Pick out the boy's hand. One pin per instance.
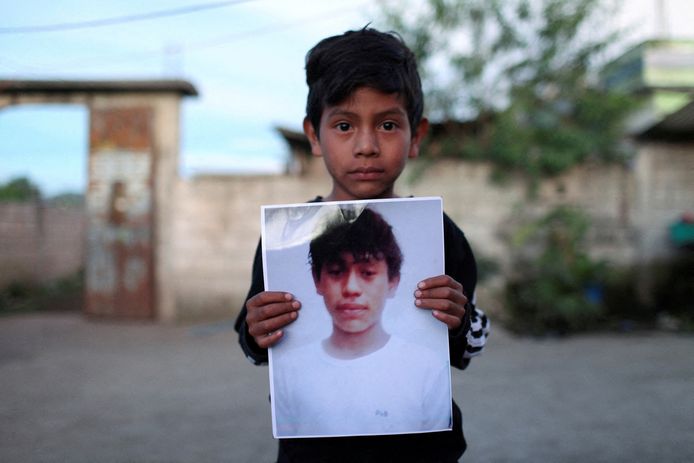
(267, 313)
(444, 296)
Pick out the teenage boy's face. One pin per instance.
(365, 142)
(355, 292)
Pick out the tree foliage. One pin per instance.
(19, 189)
(526, 70)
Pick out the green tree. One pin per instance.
(19, 189)
(526, 72)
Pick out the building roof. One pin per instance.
(295, 139)
(678, 126)
(182, 87)
(653, 65)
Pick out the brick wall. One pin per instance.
(40, 242)
(20, 245)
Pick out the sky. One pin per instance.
(244, 57)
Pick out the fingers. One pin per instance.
(439, 281)
(268, 340)
(451, 320)
(442, 293)
(268, 313)
(444, 297)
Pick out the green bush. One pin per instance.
(555, 287)
(64, 294)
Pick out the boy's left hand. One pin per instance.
(444, 297)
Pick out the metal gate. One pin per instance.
(119, 268)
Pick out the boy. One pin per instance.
(356, 263)
(364, 118)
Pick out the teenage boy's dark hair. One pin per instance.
(367, 237)
(339, 65)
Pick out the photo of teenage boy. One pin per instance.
(343, 384)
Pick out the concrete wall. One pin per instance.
(39, 242)
(217, 219)
(488, 212)
(664, 188)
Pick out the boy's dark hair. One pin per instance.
(369, 236)
(339, 65)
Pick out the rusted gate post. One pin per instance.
(119, 268)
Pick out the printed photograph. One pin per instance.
(361, 358)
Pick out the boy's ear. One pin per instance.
(316, 282)
(393, 286)
(312, 136)
(418, 135)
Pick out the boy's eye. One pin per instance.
(388, 126)
(334, 271)
(367, 271)
(343, 126)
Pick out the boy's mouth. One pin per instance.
(366, 173)
(351, 309)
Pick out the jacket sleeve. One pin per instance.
(476, 335)
(469, 339)
(254, 353)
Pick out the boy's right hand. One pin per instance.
(267, 313)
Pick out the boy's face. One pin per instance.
(355, 292)
(365, 142)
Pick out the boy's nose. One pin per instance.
(351, 285)
(366, 144)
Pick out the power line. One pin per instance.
(117, 19)
(182, 48)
